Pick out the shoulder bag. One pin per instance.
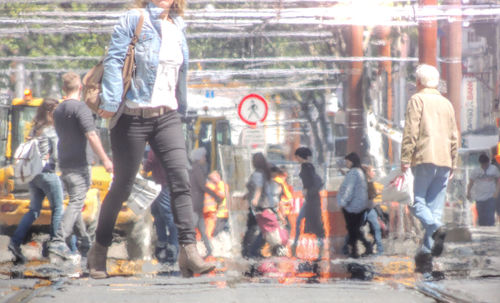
(92, 81)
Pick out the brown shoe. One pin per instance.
(190, 261)
(96, 261)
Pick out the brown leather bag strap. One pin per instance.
(138, 29)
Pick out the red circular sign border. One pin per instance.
(241, 105)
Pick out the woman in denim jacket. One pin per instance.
(353, 198)
(151, 113)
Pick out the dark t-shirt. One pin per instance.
(73, 119)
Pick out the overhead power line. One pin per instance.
(44, 59)
(318, 16)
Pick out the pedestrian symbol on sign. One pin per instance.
(252, 109)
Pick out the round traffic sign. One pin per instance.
(252, 109)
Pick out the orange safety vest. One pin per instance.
(210, 204)
(286, 195)
(222, 211)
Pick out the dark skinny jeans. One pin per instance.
(128, 141)
(354, 221)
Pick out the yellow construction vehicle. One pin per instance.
(209, 132)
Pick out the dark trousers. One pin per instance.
(128, 141)
(353, 224)
(221, 224)
(253, 241)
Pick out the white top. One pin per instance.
(169, 61)
(484, 183)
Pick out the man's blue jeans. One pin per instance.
(43, 185)
(164, 220)
(429, 192)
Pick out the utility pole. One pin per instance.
(427, 38)
(386, 66)
(444, 47)
(354, 110)
(454, 74)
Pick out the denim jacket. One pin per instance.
(353, 193)
(146, 60)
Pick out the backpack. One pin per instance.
(27, 162)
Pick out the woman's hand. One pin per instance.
(105, 114)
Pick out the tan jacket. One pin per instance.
(430, 134)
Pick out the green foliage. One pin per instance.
(45, 46)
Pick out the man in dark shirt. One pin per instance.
(75, 128)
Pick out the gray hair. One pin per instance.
(427, 75)
(198, 154)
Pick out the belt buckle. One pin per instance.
(149, 112)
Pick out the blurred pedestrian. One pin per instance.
(258, 187)
(76, 130)
(494, 151)
(151, 113)
(269, 219)
(484, 188)
(167, 244)
(213, 197)
(47, 183)
(222, 213)
(372, 216)
(198, 177)
(285, 199)
(429, 147)
(352, 197)
(311, 208)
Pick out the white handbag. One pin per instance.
(398, 187)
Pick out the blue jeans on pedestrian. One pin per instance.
(166, 231)
(372, 219)
(48, 185)
(429, 189)
(486, 212)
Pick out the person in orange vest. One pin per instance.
(285, 203)
(222, 211)
(214, 195)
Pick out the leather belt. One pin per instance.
(146, 112)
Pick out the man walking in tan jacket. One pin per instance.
(429, 147)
